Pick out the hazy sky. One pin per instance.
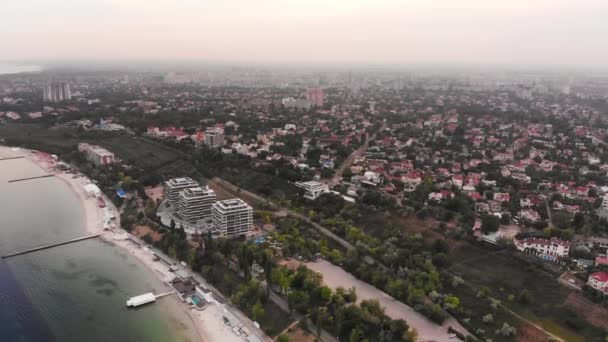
(544, 32)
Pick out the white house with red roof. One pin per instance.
(457, 180)
(582, 191)
(547, 165)
(529, 215)
(599, 260)
(411, 180)
(475, 195)
(599, 281)
(522, 177)
(401, 166)
(438, 196)
(502, 197)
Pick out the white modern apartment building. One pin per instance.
(232, 217)
(96, 155)
(214, 137)
(195, 203)
(174, 186)
(313, 189)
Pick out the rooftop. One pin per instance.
(181, 181)
(197, 192)
(234, 203)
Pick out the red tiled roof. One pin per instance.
(601, 261)
(600, 276)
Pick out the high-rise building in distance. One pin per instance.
(55, 92)
(232, 217)
(214, 137)
(315, 96)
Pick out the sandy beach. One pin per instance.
(192, 325)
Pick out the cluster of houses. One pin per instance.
(489, 160)
(212, 136)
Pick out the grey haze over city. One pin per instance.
(543, 33)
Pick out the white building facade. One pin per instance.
(549, 249)
(232, 217)
(599, 281)
(313, 189)
(97, 155)
(175, 185)
(195, 203)
(214, 137)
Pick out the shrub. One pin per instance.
(488, 319)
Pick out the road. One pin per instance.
(337, 178)
(549, 214)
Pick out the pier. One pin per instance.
(36, 249)
(10, 158)
(29, 178)
(145, 299)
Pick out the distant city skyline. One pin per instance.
(356, 32)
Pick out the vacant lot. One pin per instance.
(507, 274)
(39, 137)
(220, 191)
(593, 313)
(138, 151)
(141, 231)
(229, 190)
(155, 193)
(298, 334)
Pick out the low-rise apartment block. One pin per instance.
(96, 155)
(313, 189)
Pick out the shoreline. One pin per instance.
(93, 219)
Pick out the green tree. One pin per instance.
(150, 209)
(560, 219)
(257, 311)
(524, 297)
(322, 315)
(356, 335)
(489, 223)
